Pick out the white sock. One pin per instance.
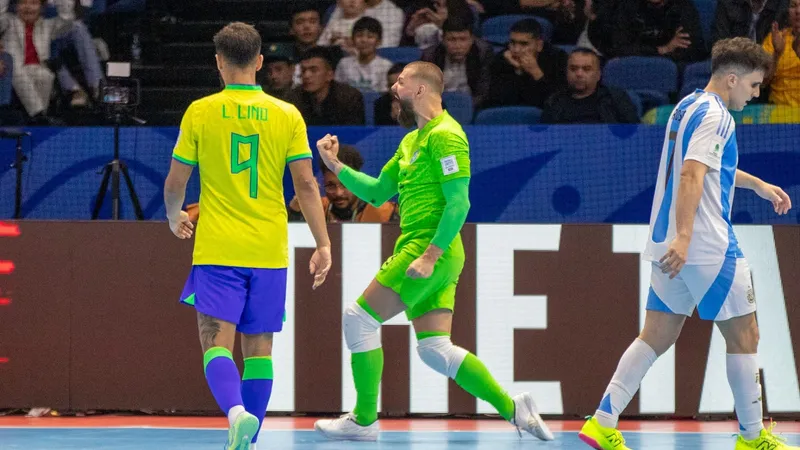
(633, 366)
(744, 378)
(234, 412)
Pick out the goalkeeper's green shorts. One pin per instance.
(423, 295)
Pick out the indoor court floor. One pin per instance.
(179, 433)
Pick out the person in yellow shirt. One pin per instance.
(241, 139)
(784, 46)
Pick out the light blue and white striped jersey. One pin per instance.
(700, 129)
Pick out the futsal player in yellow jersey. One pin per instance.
(241, 139)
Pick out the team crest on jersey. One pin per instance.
(751, 295)
(414, 157)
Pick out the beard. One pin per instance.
(407, 118)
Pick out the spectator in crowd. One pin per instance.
(784, 46)
(669, 28)
(367, 71)
(529, 70)
(567, 16)
(338, 32)
(28, 38)
(340, 204)
(387, 107)
(320, 99)
(306, 27)
(746, 18)
(388, 14)
(426, 18)
(586, 100)
(465, 61)
(279, 69)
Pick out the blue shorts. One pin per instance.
(253, 299)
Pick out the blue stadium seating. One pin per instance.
(496, 29)
(459, 105)
(403, 55)
(509, 115)
(369, 106)
(637, 102)
(653, 78)
(695, 76)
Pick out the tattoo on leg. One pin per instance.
(209, 329)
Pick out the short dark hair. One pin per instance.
(301, 7)
(318, 52)
(349, 156)
(528, 26)
(238, 43)
(455, 25)
(368, 24)
(739, 53)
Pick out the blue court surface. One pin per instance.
(41, 438)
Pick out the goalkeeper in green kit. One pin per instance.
(430, 171)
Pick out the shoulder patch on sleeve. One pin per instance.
(449, 165)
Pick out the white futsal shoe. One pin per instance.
(526, 417)
(345, 428)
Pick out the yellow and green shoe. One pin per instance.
(602, 438)
(766, 441)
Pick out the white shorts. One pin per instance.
(719, 291)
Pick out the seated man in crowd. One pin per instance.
(320, 99)
(279, 68)
(341, 205)
(586, 100)
(367, 70)
(465, 60)
(305, 25)
(529, 71)
(784, 46)
(668, 28)
(28, 38)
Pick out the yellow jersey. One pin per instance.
(785, 85)
(241, 139)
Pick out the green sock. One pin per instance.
(475, 378)
(367, 371)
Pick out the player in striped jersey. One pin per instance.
(694, 252)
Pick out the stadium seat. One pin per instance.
(403, 55)
(567, 48)
(459, 105)
(653, 78)
(637, 102)
(509, 115)
(369, 107)
(707, 10)
(695, 76)
(496, 29)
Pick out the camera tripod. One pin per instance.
(19, 159)
(112, 172)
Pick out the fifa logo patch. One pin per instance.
(449, 165)
(751, 295)
(414, 157)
